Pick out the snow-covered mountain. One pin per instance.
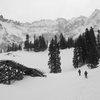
(13, 31)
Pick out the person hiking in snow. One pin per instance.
(85, 73)
(79, 71)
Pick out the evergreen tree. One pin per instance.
(54, 59)
(92, 35)
(39, 44)
(34, 37)
(19, 47)
(30, 46)
(78, 59)
(27, 43)
(92, 53)
(62, 42)
(85, 51)
(8, 48)
(75, 58)
(70, 43)
(43, 43)
(36, 45)
(13, 47)
(98, 41)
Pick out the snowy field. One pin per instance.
(63, 86)
(40, 60)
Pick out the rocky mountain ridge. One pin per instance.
(14, 31)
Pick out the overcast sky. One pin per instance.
(31, 10)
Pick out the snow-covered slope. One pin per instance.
(63, 86)
(67, 85)
(40, 60)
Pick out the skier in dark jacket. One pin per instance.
(79, 71)
(85, 73)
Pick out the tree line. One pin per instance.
(40, 44)
(14, 47)
(86, 49)
(54, 52)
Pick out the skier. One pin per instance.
(79, 71)
(85, 73)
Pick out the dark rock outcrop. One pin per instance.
(11, 71)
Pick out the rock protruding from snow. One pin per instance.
(12, 71)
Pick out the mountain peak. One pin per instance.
(95, 13)
(94, 18)
(97, 10)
